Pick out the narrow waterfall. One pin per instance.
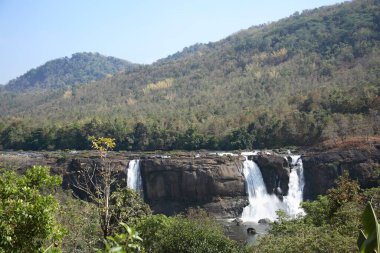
(134, 180)
(296, 185)
(261, 204)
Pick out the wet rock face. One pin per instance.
(215, 184)
(275, 170)
(322, 169)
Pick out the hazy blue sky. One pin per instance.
(142, 31)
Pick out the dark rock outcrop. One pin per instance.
(251, 231)
(80, 169)
(213, 183)
(275, 170)
(264, 221)
(217, 184)
(321, 169)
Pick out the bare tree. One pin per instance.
(96, 180)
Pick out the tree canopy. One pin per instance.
(28, 211)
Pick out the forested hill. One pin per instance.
(80, 68)
(310, 77)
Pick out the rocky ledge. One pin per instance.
(322, 168)
(215, 183)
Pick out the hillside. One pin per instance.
(80, 68)
(304, 79)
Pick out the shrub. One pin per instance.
(27, 212)
(180, 234)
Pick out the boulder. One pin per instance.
(251, 231)
(265, 221)
(238, 221)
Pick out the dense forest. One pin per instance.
(299, 81)
(80, 68)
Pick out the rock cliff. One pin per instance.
(213, 183)
(321, 169)
(171, 185)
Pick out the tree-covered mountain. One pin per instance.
(80, 68)
(310, 77)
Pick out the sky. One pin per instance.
(141, 31)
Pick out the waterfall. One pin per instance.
(264, 205)
(261, 204)
(296, 185)
(134, 180)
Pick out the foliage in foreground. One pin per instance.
(127, 242)
(128, 207)
(81, 221)
(27, 211)
(369, 237)
(180, 234)
(27, 222)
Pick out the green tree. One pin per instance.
(15, 135)
(38, 139)
(191, 139)
(152, 230)
(27, 212)
(182, 234)
(127, 242)
(240, 139)
(127, 207)
(346, 191)
(140, 137)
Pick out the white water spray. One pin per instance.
(296, 185)
(264, 205)
(261, 204)
(134, 180)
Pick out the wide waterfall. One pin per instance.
(134, 180)
(264, 205)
